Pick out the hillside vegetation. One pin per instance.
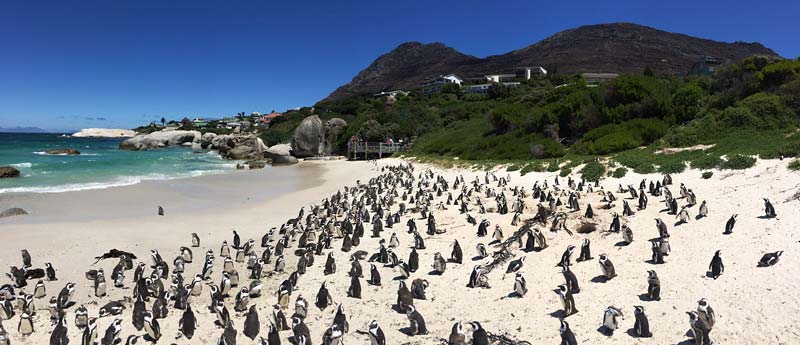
(748, 108)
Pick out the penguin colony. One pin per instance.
(229, 278)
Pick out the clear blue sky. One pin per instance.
(73, 64)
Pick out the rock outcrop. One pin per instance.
(313, 138)
(239, 147)
(160, 139)
(280, 154)
(16, 211)
(69, 152)
(7, 172)
(104, 133)
(308, 139)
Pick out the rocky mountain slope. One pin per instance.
(616, 47)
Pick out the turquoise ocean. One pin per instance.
(100, 165)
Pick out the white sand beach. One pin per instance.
(754, 305)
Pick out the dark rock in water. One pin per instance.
(16, 211)
(308, 138)
(70, 151)
(284, 160)
(256, 164)
(6, 172)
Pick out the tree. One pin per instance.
(163, 121)
(497, 91)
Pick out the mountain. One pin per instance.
(22, 130)
(613, 48)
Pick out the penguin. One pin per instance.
(300, 307)
(279, 319)
(515, 265)
(607, 266)
(302, 335)
(658, 256)
(26, 258)
(570, 281)
(100, 284)
(404, 297)
(242, 299)
(683, 216)
(662, 228)
(228, 336)
(610, 323)
(160, 210)
(332, 336)
(89, 334)
(479, 336)
(567, 301)
(195, 240)
(567, 337)
(706, 313)
(376, 336)
(25, 325)
(730, 224)
(481, 248)
(273, 337)
(65, 295)
(716, 267)
(418, 287)
(374, 276)
(770, 259)
(139, 313)
(251, 323)
(653, 286)
(769, 210)
(586, 252)
(589, 212)
(703, 211)
(354, 291)
(81, 317)
(223, 315)
(456, 255)
(627, 234)
(520, 286)
(565, 257)
(330, 265)
(417, 322)
(50, 271)
(439, 265)
(699, 329)
(457, 335)
(111, 336)
(188, 322)
(4, 338)
(641, 325)
(151, 327)
(413, 260)
(323, 299)
(40, 291)
(132, 340)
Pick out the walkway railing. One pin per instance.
(362, 150)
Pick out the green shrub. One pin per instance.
(641, 161)
(553, 166)
(707, 175)
(708, 161)
(672, 167)
(612, 138)
(593, 171)
(794, 165)
(513, 167)
(738, 162)
(532, 167)
(620, 172)
(565, 172)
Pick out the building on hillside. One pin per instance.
(595, 78)
(436, 84)
(484, 88)
(266, 119)
(528, 73)
(497, 78)
(706, 66)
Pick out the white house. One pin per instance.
(436, 84)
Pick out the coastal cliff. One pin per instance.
(104, 133)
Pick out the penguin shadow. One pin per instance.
(408, 331)
(453, 261)
(698, 217)
(435, 273)
(399, 278)
(477, 258)
(709, 274)
(559, 314)
(766, 217)
(680, 222)
(605, 331)
(494, 242)
(512, 294)
(664, 210)
(69, 304)
(600, 279)
(148, 338)
(645, 298)
(621, 244)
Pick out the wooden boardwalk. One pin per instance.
(365, 150)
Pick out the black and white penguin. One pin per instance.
(332, 336)
(457, 335)
(242, 300)
(479, 336)
(50, 271)
(330, 265)
(716, 267)
(610, 323)
(565, 257)
(567, 301)
(26, 258)
(730, 224)
(607, 267)
(302, 336)
(481, 248)
(139, 313)
(706, 313)
(699, 329)
(279, 319)
(586, 252)
(570, 281)
(769, 210)
(251, 323)
(228, 336)
(413, 260)
(376, 336)
(81, 317)
(703, 211)
(354, 291)
(374, 276)
(520, 286)
(439, 264)
(515, 265)
(323, 299)
(89, 335)
(25, 325)
(188, 322)
(567, 337)
(195, 240)
(151, 327)
(589, 212)
(39, 291)
(641, 325)
(770, 259)
(417, 322)
(404, 297)
(653, 286)
(456, 255)
(111, 336)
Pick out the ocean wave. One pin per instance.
(44, 153)
(22, 165)
(118, 182)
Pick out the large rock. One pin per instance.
(70, 152)
(16, 211)
(309, 137)
(333, 129)
(104, 133)
(6, 172)
(239, 147)
(160, 139)
(280, 154)
(206, 139)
